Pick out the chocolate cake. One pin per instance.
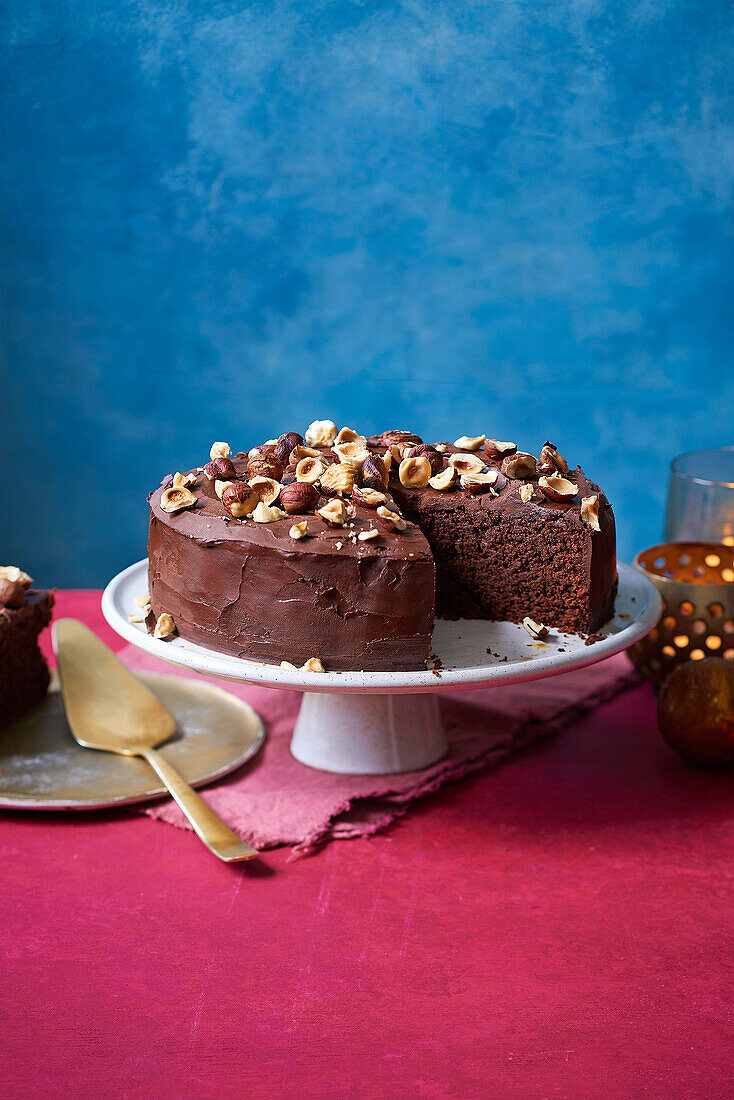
(343, 549)
(24, 612)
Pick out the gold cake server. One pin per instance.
(109, 709)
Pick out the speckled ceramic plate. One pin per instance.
(43, 768)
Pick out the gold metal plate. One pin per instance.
(43, 768)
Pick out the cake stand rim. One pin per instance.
(221, 666)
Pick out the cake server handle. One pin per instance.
(210, 828)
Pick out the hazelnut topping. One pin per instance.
(309, 470)
(338, 478)
(265, 466)
(239, 499)
(220, 469)
(322, 433)
(590, 511)
(176, 499)
(13, 573)
(180, 481)
(550, 457)
(519, 465)
(299, 497)
(351, 454)
(299, 530)
(219, 450)
(370, 533)
(535, 630)
(525, 493)
(303, 452)
(469, 442)
(390, 521)
(267, 489)
(428, 452)
(164, 627)
(285, 445)
(557, 488)
(499, 448)
(464, 463)
(368, 498)
(348, 435)
(374, 473)
(415, 473)
(12, 594)
(220, 486)
(479, 481)
(396, 435)
(334, 513)
(265, 514)
(445, 479)
(313, 664)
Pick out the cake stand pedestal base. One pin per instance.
(368, 734)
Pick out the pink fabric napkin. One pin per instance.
(274, 800)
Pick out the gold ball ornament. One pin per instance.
(696, 712)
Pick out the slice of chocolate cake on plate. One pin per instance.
(24, 674)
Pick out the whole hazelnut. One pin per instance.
(287, 443)
(374, 473)
(265, 466)
(299, 497)
(433, 456)
(220, 469)
(12, 594)
(240, 499)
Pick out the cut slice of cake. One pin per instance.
(24, 675)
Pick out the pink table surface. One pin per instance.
(559, 927)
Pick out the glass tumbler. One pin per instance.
(701, 497)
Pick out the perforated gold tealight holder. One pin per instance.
(696, 582)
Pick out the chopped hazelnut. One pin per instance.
(368, 498)
(445, 479)
(321, 433)
(267, 488)
(299, 530)
(479, 481)
(415, 473)
(13, 573)
(181, 481)
(391, 521)
(288, 666)
(348, 435)
(428, 452)
(313, 664)
(303, 452)
(12, 594)
(265, 466)
(374, 472)
(499, 448)
(220, 486)
(557, 488)
(164, 627)
(535, 630)
(265, 514)
(334, 513)
(525, 493)
(519, 465)
(550, 457)
(440, 447)
(219, 450)
(338, 478)
(286, 445)
(464, 462)
(309, 469)
(370, 533)
(469, 442)
(176, 499)
(142, 601)
(590, 511)
(351, 454)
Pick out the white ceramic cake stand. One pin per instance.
(374, 723)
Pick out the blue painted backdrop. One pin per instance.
(221, 219)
